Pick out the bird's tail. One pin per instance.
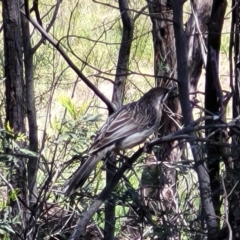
(81, 175)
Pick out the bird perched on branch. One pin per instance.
(131, 125)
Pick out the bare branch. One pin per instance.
(71, 64)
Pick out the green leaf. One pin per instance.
(28, 152)
(8, 228)
(91, 118)
(69, 105)
(65, 136)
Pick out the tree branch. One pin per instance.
(56, 44)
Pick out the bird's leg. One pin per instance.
(117, 152)
(121, 159)
(122, 156)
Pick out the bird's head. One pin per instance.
(156, 96)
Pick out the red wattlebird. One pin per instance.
(131, 125)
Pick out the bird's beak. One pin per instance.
(165, 96)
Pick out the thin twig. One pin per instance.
(226, 209)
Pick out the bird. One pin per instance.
(128, 127)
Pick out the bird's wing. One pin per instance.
(128, 120)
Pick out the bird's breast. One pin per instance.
(134, 139)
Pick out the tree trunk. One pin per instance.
(196, 34)
(234, 200)
(214, 100)
(15, 101)
(164, 67)
(117, 99)
(32, 166)
(182, 70)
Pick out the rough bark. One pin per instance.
(196, 35)
(151, 191)
(164, 65)
(163, 39)
(14, 97)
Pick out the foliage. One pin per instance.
(69, 114)
(5, 223)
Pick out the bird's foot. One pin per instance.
(146, 148)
